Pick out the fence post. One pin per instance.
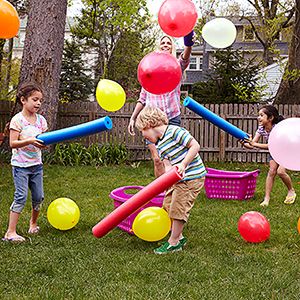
(92, 116)
(222, 141)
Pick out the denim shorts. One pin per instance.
(174, 121)
(24, 178)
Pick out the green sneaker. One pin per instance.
(183, 241)
(167, 248)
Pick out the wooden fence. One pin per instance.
(216, 145)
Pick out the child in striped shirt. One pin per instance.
(175, 146)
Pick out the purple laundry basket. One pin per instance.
(230, 185)
(120, 196)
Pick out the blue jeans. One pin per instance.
(174, 121)
(24, 178)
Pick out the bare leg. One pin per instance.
(11, 232)
(176, 234)
(159, 168)
(269, 182)
(33, 227)
(286, 180)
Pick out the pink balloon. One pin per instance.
(159, 73)
(284, 143)
(177, 18)
(254, 227)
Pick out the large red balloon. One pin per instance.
(177, 18)
(254, 227)
(9, 20)
(159, 73)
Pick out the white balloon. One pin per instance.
(219, 33)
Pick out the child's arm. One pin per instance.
(139, 106)
(259, 145)
(194, 148)
(254, 143)
(14, 141)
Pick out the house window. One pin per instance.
(249, 34)
(195, 63)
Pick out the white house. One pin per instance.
(270, 77)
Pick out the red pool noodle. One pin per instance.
(156, 187)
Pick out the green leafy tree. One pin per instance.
(233, 79)
(75, 84)
(267, 19)
(110, 27)
(7, 64)
(124, 61)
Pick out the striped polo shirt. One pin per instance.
(173, 146)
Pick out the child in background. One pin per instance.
(26, 159)
(175, 146)
(268, 117)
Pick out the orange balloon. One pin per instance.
(298, 225)
(9, 20)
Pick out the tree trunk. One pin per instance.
(2, 43)
(268, 55)
(43, 49)
(289, 89)
(9, 60)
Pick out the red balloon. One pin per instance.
(254, 227)
(159, 73)
(177, 18)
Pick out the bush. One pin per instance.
(75, 154)
(5, 156)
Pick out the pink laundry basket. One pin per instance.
(229, 185)
(120, 196)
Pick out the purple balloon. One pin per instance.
(284, 143)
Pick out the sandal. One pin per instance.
(265, 203)
(14, 239)
(290, 199)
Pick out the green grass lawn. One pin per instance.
(216, 263)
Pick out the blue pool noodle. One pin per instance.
(215, 119)
(76, 131)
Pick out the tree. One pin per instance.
(6, 56)
(124, 61)
(289, 89)
(43, 49)
(232, 80)
(271, 18)
(75, 84)
(104, 22)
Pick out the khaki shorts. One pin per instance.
(180, 198)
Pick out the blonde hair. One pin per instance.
(173, 52)
(151, 117)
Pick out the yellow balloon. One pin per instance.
(151, 224)
(110, 95)
(63, 213)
